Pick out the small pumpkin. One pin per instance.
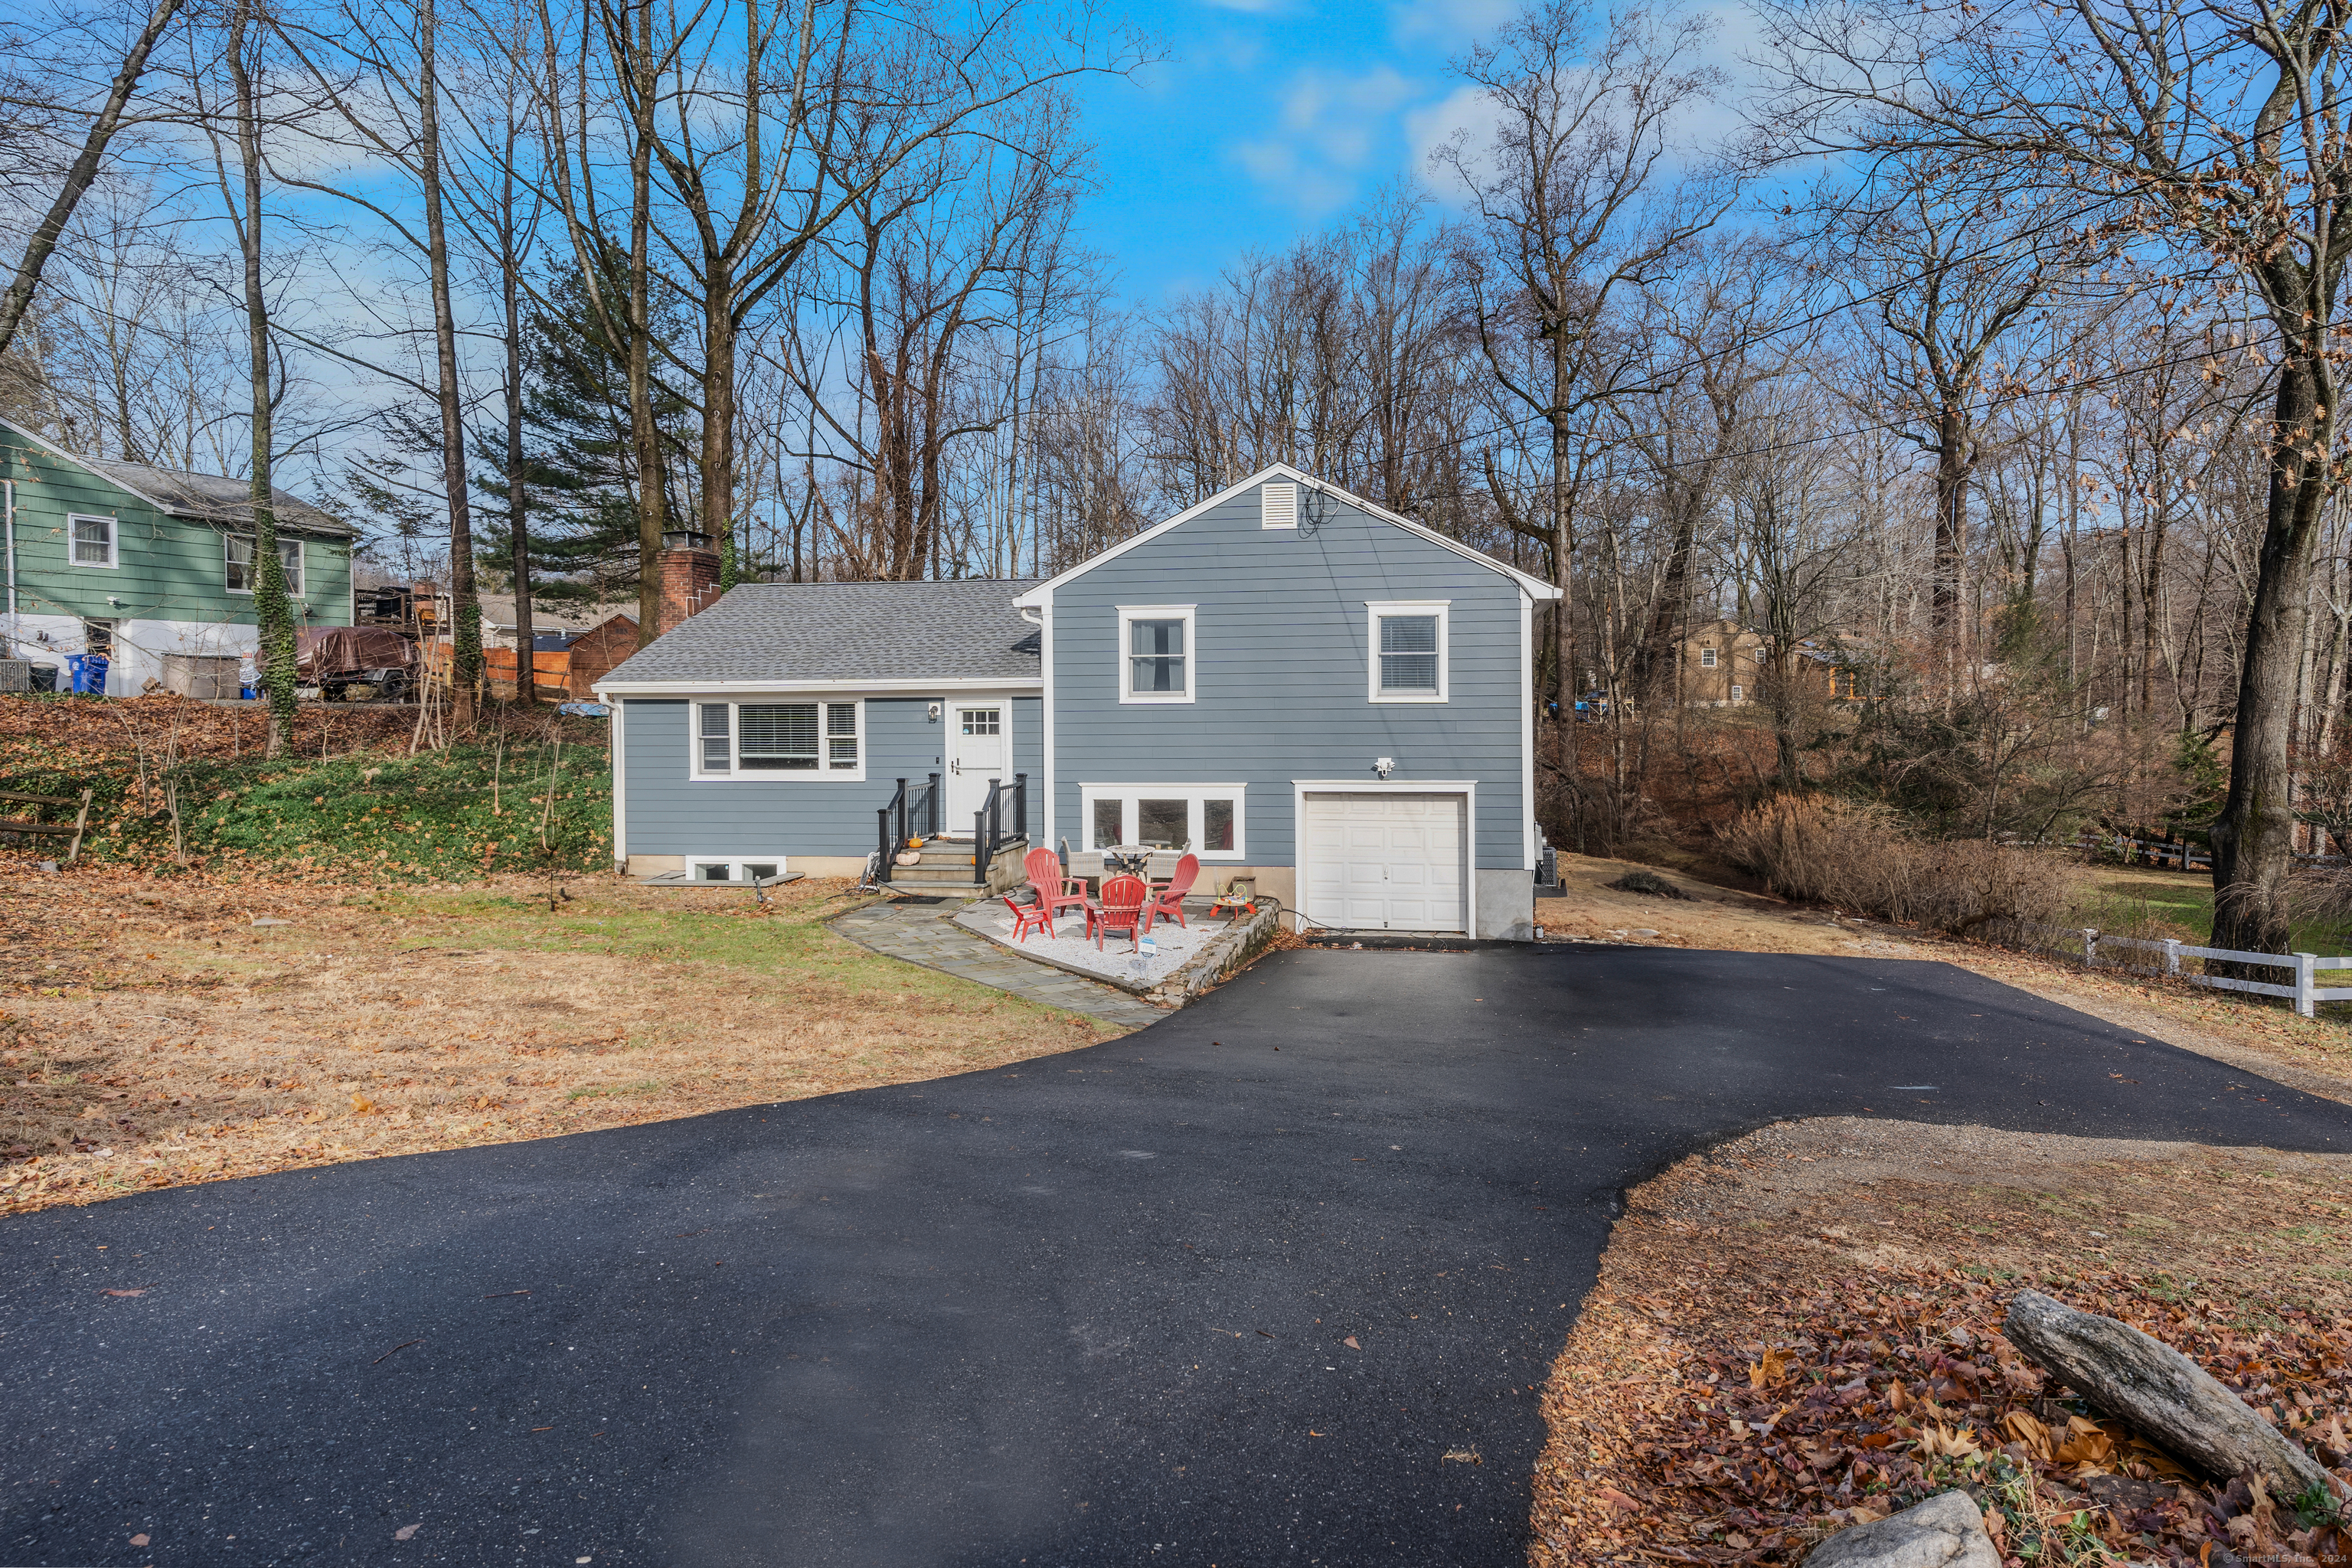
(908, 857)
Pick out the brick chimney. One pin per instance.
(689, 577)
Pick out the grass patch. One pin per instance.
(592, 1091)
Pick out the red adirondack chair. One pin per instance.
(1057, 890)
(1170, 902)
(1121, 907)
(1027, 918)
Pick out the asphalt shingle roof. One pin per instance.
(849, 632)
(215, 498)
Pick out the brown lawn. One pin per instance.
(151, 1032)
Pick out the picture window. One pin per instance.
(1205, 819)
(738, 740)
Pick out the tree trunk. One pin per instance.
(518, 500)
(83, 172)
(637, 61)
(2253, 836)
(272, 617)
(1951, 543)
(465, 609)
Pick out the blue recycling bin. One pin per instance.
(88, 671)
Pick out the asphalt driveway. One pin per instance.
(1228, 1291)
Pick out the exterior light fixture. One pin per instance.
(1384, 766)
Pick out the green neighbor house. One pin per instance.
(134, 562)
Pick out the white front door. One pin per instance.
(1385, 862)
(979, 749)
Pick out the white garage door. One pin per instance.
(1385, 862)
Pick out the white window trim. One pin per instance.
(113, 560)
(1738, 693)
(734, 702)
(1192, 794)
(734, 861)
(1373, 610)
(1131, 614)
(302, 567)
(1707, 658)
(1466, 788)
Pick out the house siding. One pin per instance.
(170, 568)
(1281, 672)
(667, 812)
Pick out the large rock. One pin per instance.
(2150, 1386)
(1945, 1532)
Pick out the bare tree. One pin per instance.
(1576, 204)
(2219, 131)
(82, 173)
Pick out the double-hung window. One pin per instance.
(95, 541)
(1158, 659)
(756, 740)
(1205, 819)
(244, 578)
(1408, 644)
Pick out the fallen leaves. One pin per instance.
(1733, 1392)
(407, 1532)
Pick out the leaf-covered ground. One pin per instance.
(1802, 1331)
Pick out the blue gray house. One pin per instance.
(1298, 686)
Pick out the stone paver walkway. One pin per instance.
(927, 934)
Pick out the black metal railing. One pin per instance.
(909, 814)
(987, 835)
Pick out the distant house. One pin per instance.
(1298, 685)
(1724, 664)
(135, 562)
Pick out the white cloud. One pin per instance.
(1330, 127)
(1446, 23)
(1467, 112)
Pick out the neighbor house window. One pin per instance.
(1738, 694)
(241, 574)
(1409, 654)
(1205, 819)
(94, 541)
(749, 739)
(1156, 656)
(1707, 658)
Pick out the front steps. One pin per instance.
(946, 870)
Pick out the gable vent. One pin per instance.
(1279, 499)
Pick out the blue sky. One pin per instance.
(1270, 118)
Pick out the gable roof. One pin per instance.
(211, 498)
(1537, 588)
(779, 635)
(206, 498)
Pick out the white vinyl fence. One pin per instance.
(2303, 967)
